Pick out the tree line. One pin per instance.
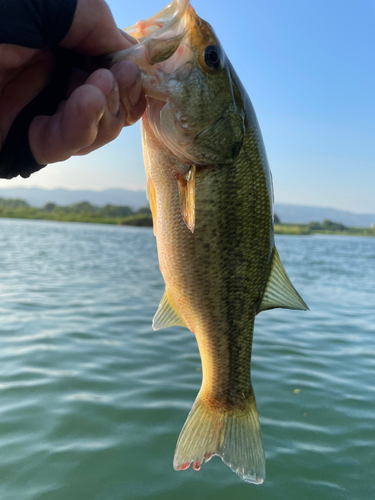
(79, 212)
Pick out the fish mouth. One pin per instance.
(162, 22)
(160, 51)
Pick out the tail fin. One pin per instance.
(233, 435)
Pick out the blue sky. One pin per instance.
(309, 68)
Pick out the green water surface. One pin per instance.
(92, 400)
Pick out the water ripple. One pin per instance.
(92, 400)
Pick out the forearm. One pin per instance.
(54, 102)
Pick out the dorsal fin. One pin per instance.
(167, 314)
(186, 191)
(279, 291)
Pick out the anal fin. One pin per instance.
(279, 291)
(167, 314)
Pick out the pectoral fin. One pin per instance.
(167, 314)
(279, 291)
(151, 196)
(186, 189)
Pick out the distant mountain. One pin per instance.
(38, 197)
(302, 214)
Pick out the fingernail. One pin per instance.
(135, 92)
(113, 100)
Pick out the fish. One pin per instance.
(211, 195)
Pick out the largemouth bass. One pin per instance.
(210, 191)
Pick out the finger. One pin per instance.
(132, 96)
(92, 116)
(125, 101)
(73, 127)
(113, 118)
(128, 37)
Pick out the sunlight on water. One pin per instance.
(92, 400)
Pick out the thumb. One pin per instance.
(94, 32)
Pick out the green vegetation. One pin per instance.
(123, 215)
(291, 229)
(78, 212)
(326, 227)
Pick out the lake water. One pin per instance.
(92, 400)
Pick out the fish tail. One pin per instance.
(234, 435)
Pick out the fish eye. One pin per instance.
(212, 57)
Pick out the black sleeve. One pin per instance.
(15, 155)
(35, 23)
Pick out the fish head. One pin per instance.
(194, 107)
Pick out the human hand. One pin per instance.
(98, 104)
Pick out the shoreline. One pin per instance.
(306, 230)
(145, 220)
(140, 220)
